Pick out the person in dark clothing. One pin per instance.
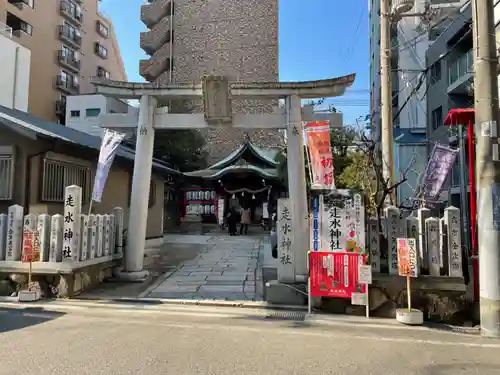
(232, 221)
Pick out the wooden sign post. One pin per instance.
(408, 267)
(30, 254)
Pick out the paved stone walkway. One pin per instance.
(226, 269)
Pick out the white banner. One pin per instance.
(109, 145)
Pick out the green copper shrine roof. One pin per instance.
(213, 174)
(266, 155)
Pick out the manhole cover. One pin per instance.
(286, 315)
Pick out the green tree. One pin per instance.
(341, 140)
(183, 149)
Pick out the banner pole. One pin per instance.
(367, 301)
(408, 291)
(90, 206)
(309, 302)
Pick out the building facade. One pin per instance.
(15, 72)
(82, 111)
(187, 40)
(411, 37)
(451, 81)
(70, 42)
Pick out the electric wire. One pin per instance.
(352, 45)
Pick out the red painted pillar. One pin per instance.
(473, 209)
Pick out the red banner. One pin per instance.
(320, 155)
(335, 274)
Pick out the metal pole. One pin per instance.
(463, 186)
(487, 164)
(386, 95)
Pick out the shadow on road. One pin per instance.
(461, 368)
(14, 319)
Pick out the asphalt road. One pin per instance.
(208, 341)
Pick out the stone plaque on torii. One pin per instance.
(217, 94)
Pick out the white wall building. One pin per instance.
(82, 111)
(15, 61)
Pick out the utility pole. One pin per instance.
(487, 164)
(387, 140)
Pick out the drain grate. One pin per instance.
(286, 315)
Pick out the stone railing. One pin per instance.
(438, 241)
(65, 242)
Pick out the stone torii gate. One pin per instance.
(216, 93)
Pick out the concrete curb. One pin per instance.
(109, 301)
(360, 322)
(158, 282)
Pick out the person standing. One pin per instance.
(232, 216)
(245, 220)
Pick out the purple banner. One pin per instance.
(439, 166)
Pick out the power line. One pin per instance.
(424, 75)
(408, 43)
(352, 45)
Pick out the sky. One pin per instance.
(318, 39)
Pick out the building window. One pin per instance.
(67, 81)
(71, 32)
(102, 29)
(73, 10)
(18, 25)
(21, 3)
(100, 50)
(437, 118)
(56, 175)
(92, 112)
(74, 113)
(103, 73)
(69, 53)
(6, 173)
(435, 72)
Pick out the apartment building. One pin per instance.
(410, 39)
(189, 39)
(70, 41)
(14, 74)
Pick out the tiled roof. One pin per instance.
(27, 124)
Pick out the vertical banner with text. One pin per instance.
(320, 155)
(439, 166)
(110, 142)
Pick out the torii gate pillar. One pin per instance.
(141, 184)
(297, 188)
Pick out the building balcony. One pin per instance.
(152, 68)
(68, 61)
(152, 13)
(61, 107)
(460, 75)
(152, 40)
(68, 36)
(68, 85)
(71, 11)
